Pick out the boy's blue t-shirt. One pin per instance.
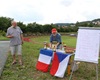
(55, 38)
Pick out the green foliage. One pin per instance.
(2, 33)
(3, 38)
(33, 27)
(5, 22)
(87, 24)
(22, 26)
(68, 29)
(47, 28)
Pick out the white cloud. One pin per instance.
(50, 11)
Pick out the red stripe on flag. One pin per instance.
(42, 66)
(55, 65)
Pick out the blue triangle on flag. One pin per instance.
(61, 56)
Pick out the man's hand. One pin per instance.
(22, 38)
(22, 42)
(10, 36)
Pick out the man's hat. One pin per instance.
(54, 30)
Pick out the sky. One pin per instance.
(50, 11)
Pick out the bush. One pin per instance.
(2, 33)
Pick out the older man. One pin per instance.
(55, 39)
(16, 40)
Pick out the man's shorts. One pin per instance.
(16, 49)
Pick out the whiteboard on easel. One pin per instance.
(87, 47)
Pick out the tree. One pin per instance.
(22, 26)
(5, 22)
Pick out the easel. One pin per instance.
(90, 34)
(74, 67)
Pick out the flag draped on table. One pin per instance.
(59, 64)
(44, 60)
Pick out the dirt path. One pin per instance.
(4, 47)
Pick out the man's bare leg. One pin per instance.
(20, 59)
(14, 59)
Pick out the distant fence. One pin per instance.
(46, 34)
(35, 34)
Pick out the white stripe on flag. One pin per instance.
(62, 67)
(45, 59)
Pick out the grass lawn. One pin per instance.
(30, 56)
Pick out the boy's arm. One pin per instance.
(59, 40)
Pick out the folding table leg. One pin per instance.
(69, 67)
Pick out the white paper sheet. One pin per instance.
(87, 48)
